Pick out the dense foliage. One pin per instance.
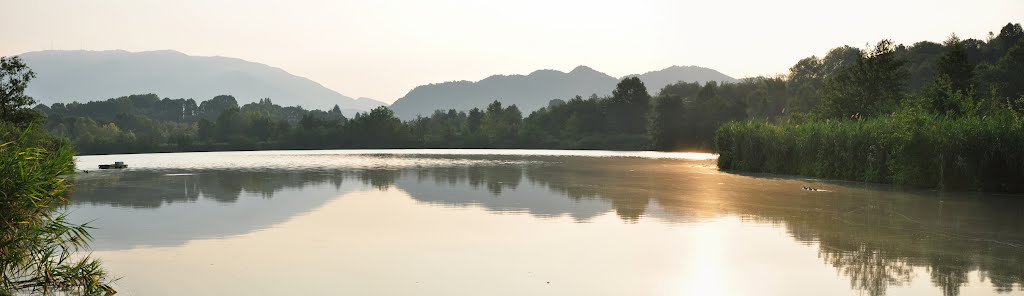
(145, 123)
(38, 247)
(984, 152)
(963, 129)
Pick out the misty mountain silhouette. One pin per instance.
(64, 76)
(656, 80)
(533, 91)
(78, 75)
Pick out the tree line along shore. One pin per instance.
(929, 114)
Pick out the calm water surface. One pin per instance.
(514, 222)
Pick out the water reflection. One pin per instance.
(875, 237)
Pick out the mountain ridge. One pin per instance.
(532, 91)
(84, 75)
(73, 75)
(658, 79)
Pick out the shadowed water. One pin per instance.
(514, 222)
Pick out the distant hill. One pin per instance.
(528, 92)
(533, 91)
(656, 80)
(77, 75)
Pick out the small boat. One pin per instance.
(116, 165)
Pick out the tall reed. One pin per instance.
(912, 147)
(39, 248)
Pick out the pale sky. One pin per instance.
(382, 49)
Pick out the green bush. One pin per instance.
(911, 146)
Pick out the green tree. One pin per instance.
(212, 109)
(474, 119)
(955, 66)
(805, 79)
(262, 128)
(873, 85)
(501, 125)
(14, 78)
(628, 106)
(667, 122)
(808, 76)
(1008, 37)
(378, 128)
(232, 126)
(205, 130)
(708, 93)
(1007, 73)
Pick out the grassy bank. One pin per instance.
(911, 147)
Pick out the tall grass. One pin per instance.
(38, 246)
(912, 147)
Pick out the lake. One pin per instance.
(530, 222)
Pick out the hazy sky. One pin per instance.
(382, 49)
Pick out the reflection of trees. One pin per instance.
(626, 190)
(869, 270)
(380, 179)
(949, 273)
(559, 179)
(495, 179)
(872, 236)
(139, 190)
(150, 189)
